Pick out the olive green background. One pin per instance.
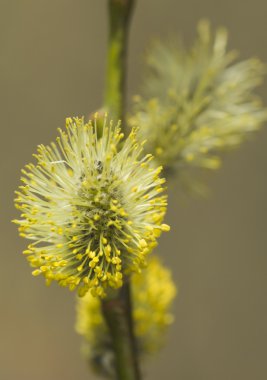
(52, 59)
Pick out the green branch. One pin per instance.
(117, 307)
(119, 20)
(117, 311)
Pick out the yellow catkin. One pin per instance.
(86, 206)
(197, 102)
(153, 292)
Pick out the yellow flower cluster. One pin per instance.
(197, 102)
(92, 206)
(153, 293)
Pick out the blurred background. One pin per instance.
(52, 59)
